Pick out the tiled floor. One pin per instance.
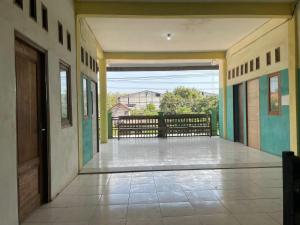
(176, 154)
(193, 197)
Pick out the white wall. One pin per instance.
(63, 142)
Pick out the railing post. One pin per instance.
(161, 125)
(110, 125)
(214, 122)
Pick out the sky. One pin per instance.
(162, 81)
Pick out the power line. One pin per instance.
(168, 82)
(161, 77)
(138, 88)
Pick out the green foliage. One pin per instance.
(112, 99)
(187, 100)
(148, 111)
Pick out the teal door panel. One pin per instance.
(87, 120)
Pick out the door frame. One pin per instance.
(45, 158)
(97, 112)
(236, 113)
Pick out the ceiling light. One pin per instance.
(169, 36)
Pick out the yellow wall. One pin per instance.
(271, 35)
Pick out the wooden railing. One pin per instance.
(162, 126)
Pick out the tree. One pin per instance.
(187, 100)
(148, 111)
(112, 99)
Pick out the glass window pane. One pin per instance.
(64, 94)
(85, 100)
(274, 94)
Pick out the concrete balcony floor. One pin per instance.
(176, 154)
(251, 196)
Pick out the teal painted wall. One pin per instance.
(87, 130)
(274, 129)
(229, 116)
(221, 113)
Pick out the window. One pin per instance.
(257, 62)
(246, 68)
(65, 94)
(44, 17)
(237, 71)
(82, 55)
(251, 65)
(97, 68)
(233, 73)
(268, 58)
(242, 69)
(277, 55)
(274, 94)
(229, 75)
(32, 9)
(86, 59)
(85, 98)
(69, 41)
(60, 33)
(91, 63)
(19, 3)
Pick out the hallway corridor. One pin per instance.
(199, 197)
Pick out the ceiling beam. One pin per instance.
(185, 9)
(160, 68)
(164, 55)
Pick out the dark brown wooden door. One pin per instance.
(29, 152)
(241, 112)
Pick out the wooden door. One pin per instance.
(253, 113)
(241, 112)
(29, 141)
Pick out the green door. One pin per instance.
(87, 120)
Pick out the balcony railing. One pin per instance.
(161, 126)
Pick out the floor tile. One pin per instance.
(176, 209)
(114, 199)
(209, 207)
(186, 220)
(143, 188)
(143, 211)
(251, 219)
(143, 198)
(277, 217)
(150, 221)
(218, 219)
(195, 196)
(172, 196)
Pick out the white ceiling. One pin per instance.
(189, 35)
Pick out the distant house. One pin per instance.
(119, 110)
(140, 100)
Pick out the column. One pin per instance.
(103, 99)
